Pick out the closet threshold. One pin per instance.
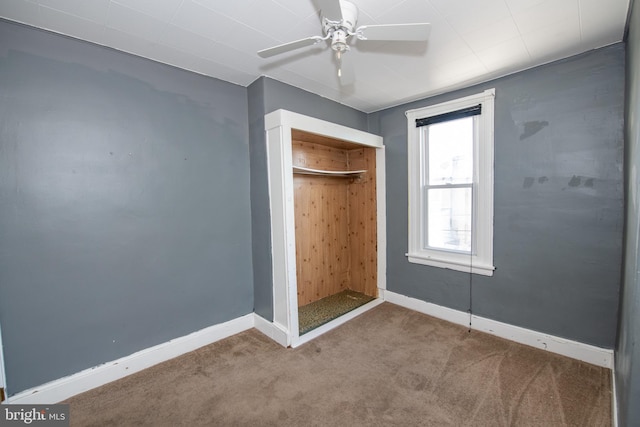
(314, 333)
(324, 310)
(308, 171)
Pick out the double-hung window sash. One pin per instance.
(447, 180)
(450, 176)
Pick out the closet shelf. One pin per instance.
(308, 171)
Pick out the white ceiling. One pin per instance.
(471, 40)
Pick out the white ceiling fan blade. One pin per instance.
(346, 73)
(331, 9)
(395, 32)
(286, 47)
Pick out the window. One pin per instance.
(451, 184)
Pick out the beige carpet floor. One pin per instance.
(388, 367)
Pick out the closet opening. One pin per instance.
(335, 213)
(328, 225)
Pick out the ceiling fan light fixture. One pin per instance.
(339, 41)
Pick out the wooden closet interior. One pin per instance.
(335, 217)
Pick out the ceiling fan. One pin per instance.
(339, 18)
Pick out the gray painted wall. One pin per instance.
(124, 188)
(558, 202)
(267, 95)
(260, 213)
(628, 345)
(103, 253)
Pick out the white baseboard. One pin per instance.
(444, 313)
(272, 330)
(587, 353)
(614, 396)
(64, 388)
(3, 378)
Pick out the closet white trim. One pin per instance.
(278, 126)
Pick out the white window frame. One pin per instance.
(480, 260)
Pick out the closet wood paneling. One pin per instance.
(322, 237)
(335, 219)
(363, 235)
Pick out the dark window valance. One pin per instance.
(476, 110)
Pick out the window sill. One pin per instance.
(476, 267)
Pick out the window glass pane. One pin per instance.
(450, 152)
(449, 219)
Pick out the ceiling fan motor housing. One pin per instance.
(339, 41)
(340, 30)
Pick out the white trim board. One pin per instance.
(63, 388)
(3, 378)
(614, 396)
(272, 330)
(576, 350)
